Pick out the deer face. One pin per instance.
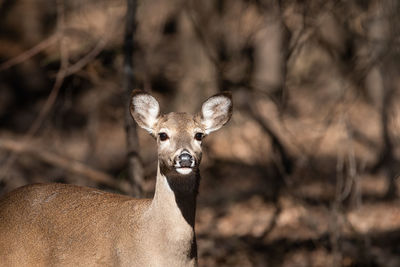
(179, 135)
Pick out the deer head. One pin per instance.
(179, 135)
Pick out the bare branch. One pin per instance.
(59, 161)
(54, 92)
(89, 56)
(30, 53)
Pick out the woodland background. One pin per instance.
(305, 174)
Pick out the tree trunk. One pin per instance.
(135, 167)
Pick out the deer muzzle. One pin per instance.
(184, 162)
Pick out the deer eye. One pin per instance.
(163, 136)
(198, 136)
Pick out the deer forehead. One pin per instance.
(179, 123)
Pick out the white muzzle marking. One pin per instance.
(184, 170)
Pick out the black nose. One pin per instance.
(185, 159)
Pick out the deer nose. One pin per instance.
(185, 159)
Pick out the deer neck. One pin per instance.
(175, 196)
(172, 214)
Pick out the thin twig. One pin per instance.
(90, 56)
(286, 164)
(30, 53)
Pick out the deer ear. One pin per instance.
(216, 111)
(145, 110)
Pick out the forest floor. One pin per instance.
(239, 225)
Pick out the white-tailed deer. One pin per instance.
(67, 225)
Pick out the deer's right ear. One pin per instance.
(145, 110)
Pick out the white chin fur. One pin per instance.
(184, 170)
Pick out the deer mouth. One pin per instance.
(184, 170)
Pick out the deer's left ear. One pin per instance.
(216, 111)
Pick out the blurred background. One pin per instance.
(305, 174)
